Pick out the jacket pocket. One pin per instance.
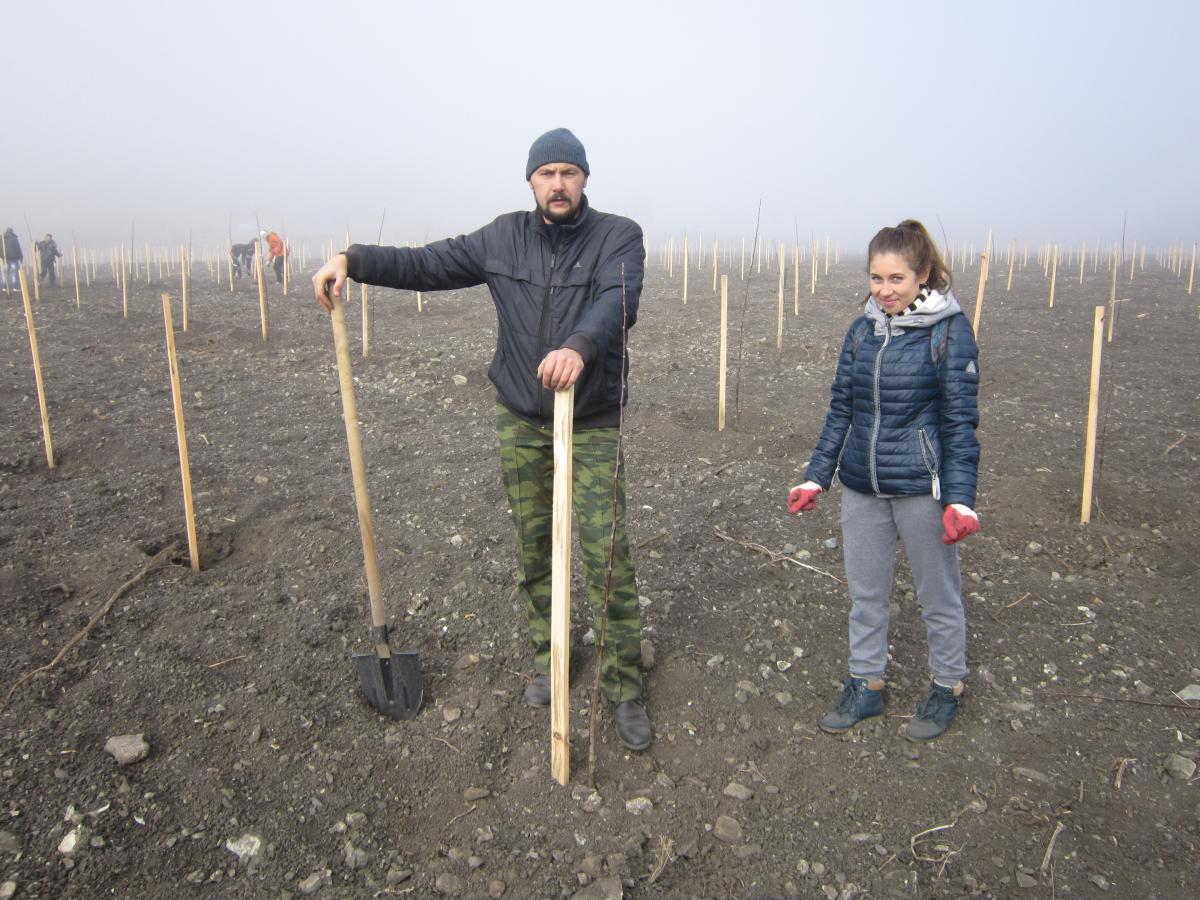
(930, 456)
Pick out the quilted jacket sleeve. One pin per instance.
(617, 292)
(958, 375)
(825, 455)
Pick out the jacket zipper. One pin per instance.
(930, 458)
(887, 336)
(544, 328)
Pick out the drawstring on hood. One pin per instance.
(929, 308)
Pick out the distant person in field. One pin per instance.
(242, 255)
(12, 260)
(566, 280)
(900, 436)
(277, 254)
(48, 257)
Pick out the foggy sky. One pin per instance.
(1042, 121)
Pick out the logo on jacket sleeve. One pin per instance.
(970, 369)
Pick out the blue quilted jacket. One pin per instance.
(904, 409)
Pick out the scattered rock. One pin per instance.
(460, 380)
(737, 791)
(865, 837)
(451, 714)
(1033, 548)
(9, 843)
(1025, 880)
(496, 888)
(7, 890)
(609, 888)
(1190, 693)
(748, 687)
(127, 749)
(467, 661)
(398, 876)
(448, 883)
(246, 848)
(261, 479)
(356, 820)
(728, 829)
(1032, 775)
(648, 658)
(639, 805)
(355, 857)
(1180, 767)
(71, 841)
(830, 543)
(783, 698)
(315, 882)
(472, 794)
(1101, 882)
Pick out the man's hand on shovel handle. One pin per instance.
(333, 272)
(560, 369)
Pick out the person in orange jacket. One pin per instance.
(277, 251)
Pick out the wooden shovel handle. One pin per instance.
(358, 468)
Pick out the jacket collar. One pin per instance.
(568, 231)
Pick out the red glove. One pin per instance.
(803, 497)
(958, 521)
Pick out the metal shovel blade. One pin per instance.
(391, 684)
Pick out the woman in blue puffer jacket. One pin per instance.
(900, 435)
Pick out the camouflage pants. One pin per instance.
(527, 464)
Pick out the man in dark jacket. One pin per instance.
(47, 258)
(12, 260)
(566, 280)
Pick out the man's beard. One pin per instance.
(561, 218)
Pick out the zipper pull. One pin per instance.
(937, 487)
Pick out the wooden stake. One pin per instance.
(1089, 456)
(1012, 258)
(560, 587)
(366, 321)
(75, 270)
(826, 254)
(1191, 269)
(183, 277)
(1082, 260)
(1053, 275)
(715, 258)
(37, 367)
(985, 258)
(779, 304)
(724, 353)
(262, 287)
(124, 284)
(287, 259)
(743, 259)
(796, 280)
(189, 509)
(1132, 260)
(685, 269)
(816, 254)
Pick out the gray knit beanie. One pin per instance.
(558, 146)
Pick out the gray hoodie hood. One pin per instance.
(928, 309)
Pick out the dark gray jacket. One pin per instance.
(571, 294)
(12, 246)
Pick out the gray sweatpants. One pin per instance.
(870, 527)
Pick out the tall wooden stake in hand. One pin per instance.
(1089, 456)
(560, 587)
(37, 368)
(189, 509)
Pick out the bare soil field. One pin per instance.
(1070, 771)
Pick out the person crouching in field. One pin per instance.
(277, 252)
(900, 435)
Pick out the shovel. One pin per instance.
(390, 681)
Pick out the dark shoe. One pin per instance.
(856, 703)
(934, 714)
(633, 725)
(537, 693)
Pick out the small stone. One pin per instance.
(496, 888)
(748, 687)
(256, 733)
(7, 890)
(1142, 688)
(1032, 775)
(1100, 881)
(1190, 693)
(1025, 881)
(355, 857)
(865, 837)
(747, 851)
(356, 820)
(451, 714)
(246, 848)
(728, 829)
(71, 841)
(194, 877)
(830, 543)
(315, 882)
(648, 658)
(737, 791)
(466, 661)
(261, 479)
(448, 883)
(9, 843)
(398, 876)
(639, 805)
(818, 869)
(460, 380)
(1033, 548)
(609, 888)
(484, 834)
(802, 867)
(456, 540)
(829, 891)
(714, 661)
(472, 794)
(1180, 767)
(127, 749)
(783, 698)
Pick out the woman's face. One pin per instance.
(894, 284)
